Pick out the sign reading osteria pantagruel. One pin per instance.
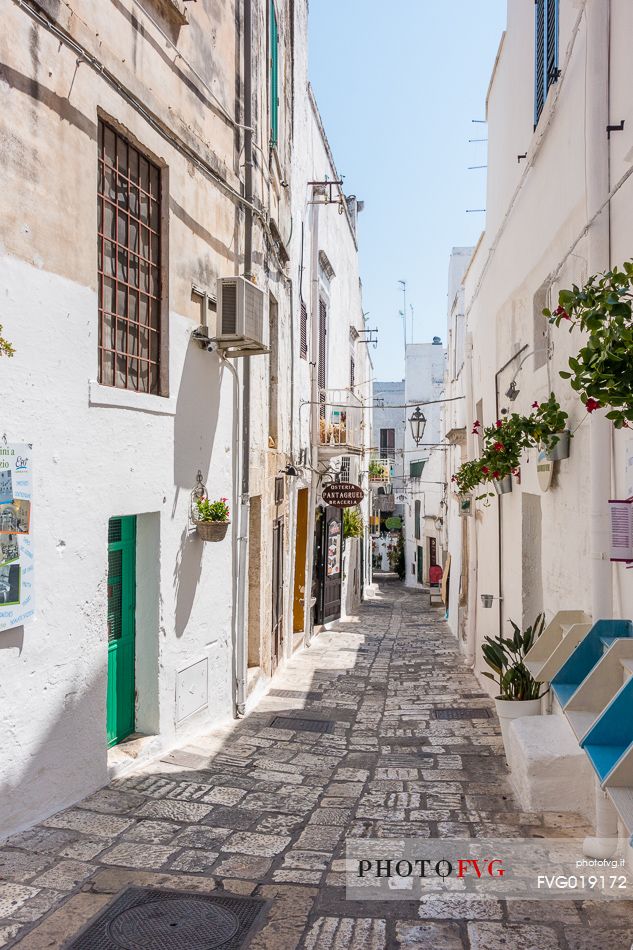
(342, 494)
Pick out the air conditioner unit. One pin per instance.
(241, 328)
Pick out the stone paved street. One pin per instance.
(260, 810)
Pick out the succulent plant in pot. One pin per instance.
(519, 693)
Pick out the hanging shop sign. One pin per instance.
(342, 494)
(17, 601)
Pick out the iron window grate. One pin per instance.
(457, 712)
(322, 726)
(142, 918)
(129, 225)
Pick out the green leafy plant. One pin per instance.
(602, 371)
(378, 470)
(353, 526)
(504, 441)
(505, 657)
(6, 348)
(212, 510)
(396, 559)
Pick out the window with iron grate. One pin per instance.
(303, 332)
(129, 271)
(546, 70)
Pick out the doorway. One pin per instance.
(278, 593)
(301, 542)
(420, 564)
(121, 619)
(330, 565)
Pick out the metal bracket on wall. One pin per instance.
(615, 128)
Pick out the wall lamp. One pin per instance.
(418, 425)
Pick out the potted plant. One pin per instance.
(378, 471)
(601, 370)
(211, 518)
(353, 526)
(503, 443)
(519, 693)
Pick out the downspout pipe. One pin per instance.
(242, 613)
(314, 412)
(598, 13)
(471, 614)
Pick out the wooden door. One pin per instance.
(278, 592)
(121, 628)
(300, 595)
(332, 558)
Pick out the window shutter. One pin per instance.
(352, 372)
(546, 52)
(539, 64)
(274, 76)
(417, 519)
(322, 368)
(303, 332)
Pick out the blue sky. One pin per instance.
(398, 86)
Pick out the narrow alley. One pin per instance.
(264, 807)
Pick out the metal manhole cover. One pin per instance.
(152, 919)
(302, 725)
(455, 712)
(170, 925)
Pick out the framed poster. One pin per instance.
(333, 548)
(17, 602)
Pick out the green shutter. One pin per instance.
(274, 76)
(416, 468)
(121, 628)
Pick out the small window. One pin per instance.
(387, 443)
(546, 69)
(273, 80)
(129, 269)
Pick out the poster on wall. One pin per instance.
(333, 548)
(17, 601)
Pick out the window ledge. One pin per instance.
(110, 396)
(175, 10)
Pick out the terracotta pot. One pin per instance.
(561, 450)
(503, 485)
(212, 530)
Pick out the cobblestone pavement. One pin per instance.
(260, 810)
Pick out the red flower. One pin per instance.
(591, 405)
(499, 446)
(476, 426)
(453, 478)
(485, 469)
(561, 312)
(534, 405)
(498, 423)
(496, 475)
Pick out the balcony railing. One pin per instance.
(340, 423)
(381, 470)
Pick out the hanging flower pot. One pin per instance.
(212, 530)
(560, 451)
(503, 485)
(211, 518)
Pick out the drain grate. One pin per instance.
(149, 919)
(456, 712)
(303, 725)
(295, 694)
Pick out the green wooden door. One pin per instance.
(121, 627)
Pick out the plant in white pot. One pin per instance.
(519, 693)
(211, 518)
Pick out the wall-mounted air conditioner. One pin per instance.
(241, 327)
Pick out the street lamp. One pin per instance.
(418, 424)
